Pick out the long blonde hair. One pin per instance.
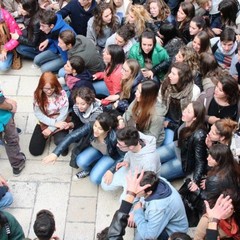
(141, 17)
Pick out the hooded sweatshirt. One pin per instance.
(147, 158)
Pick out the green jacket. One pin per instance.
(159, 55)
(15, 228)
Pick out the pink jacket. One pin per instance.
(113, 81)
(13, 27)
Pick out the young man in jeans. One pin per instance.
(9, 134)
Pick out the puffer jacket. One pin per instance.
(194, 155)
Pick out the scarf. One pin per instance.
(230, 228)
(185, 96)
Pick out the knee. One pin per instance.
(35, 151)
(6, 201)
(95, 178)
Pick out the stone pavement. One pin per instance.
(81, 209)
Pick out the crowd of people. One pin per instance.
(146, 92)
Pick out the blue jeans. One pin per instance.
(61, 72)
(7, 63)
(171, 167)
(49, 61)
(27, 51)
(6, 200)
(100, 88)
(91, 156)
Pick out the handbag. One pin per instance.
(191, 201)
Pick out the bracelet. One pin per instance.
(131, 193)
(212, 219)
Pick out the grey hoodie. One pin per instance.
(147, 158)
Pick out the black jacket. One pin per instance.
(194, 155)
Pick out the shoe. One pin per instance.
(17, 171)
(81, 174)
(34, 66)
(65, 153)
(19, 131)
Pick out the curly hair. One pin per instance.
(98, 23)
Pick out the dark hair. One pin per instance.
(204, 41)
(48, 17)
(229, 87)
(228, 10)
(208, 64)
(185, 77)
(200, 21)
(117, 57)
(198, 123)
(107, 121)
(127, 31)
(103, 235)
(189, 10)
(44, 225)
(77, 63)
(142, 113)
(228, 34)
(149, 34)
(85, 93)
(98, 23)
(169, 31)
(180, 236)
(150, 177)
(128, 135)
(33, 9)
(68, 37)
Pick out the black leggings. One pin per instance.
(38, 141)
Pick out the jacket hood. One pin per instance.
(231, 52)
(163, 191)
(59, 24)
(80, 44)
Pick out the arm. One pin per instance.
(116, 77)
(66, 10)
(91, 32)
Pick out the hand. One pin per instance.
(51, 158)
(13, 103)
(165, 124)
(21, 26)
(193, 186)
(222, 208)
(108, 177)
(137, 205)
(46, 132)
(3, 181)
(116, 104)
(133, 182)
(147, 73)
(14, 35)
(112, 98)
(212, 119)
(94, 77)
(121, 123)
(159, 40)
(203, 184)
(208, 141)
(3, 55)
(131, 222)
(122, 164)
(217, 31)
(61, 125)
(43, 45)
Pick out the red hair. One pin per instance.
(39, 95)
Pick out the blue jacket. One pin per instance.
(79, 17)
(59, 27)
(164, 210)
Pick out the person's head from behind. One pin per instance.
(128, 138)
(147, 41)
(48, 19)
(83, 98)
(113, 55)
(227, 39)
(226, 89)
(44, 225)
(30, 7)
(222, 131)
(66, 40)
(168, 31)
(201, 42)
(205, 4)
(208, 64)
(75, 65)
(149, 177)
(219, 155)
(228, 10)
(124, 34)
(103, 124)
(179, 236)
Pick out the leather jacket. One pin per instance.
(194, 158)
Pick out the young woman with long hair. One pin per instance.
(96, 149)
(201, 43)
(32, 35)
(150, 56)
(51, 110)
(221, 101)
(189, 153)
(148, 118)
(176, 92)
(184, 16)
(113, 57)
(102, 25)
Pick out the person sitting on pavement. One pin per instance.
(9, 134)
(6, 198)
